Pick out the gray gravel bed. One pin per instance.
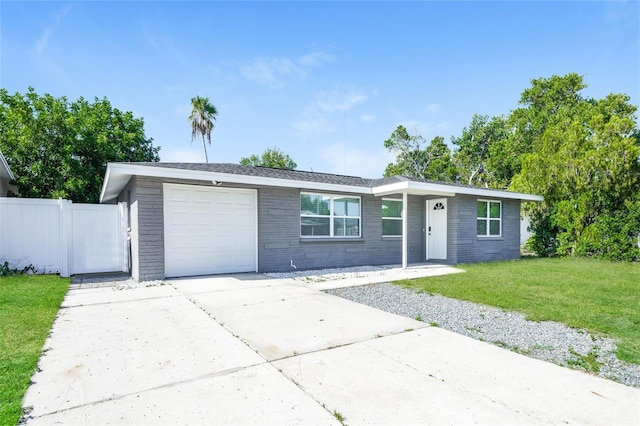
(545, 340)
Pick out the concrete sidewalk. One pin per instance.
(362, 276)
(249, 350)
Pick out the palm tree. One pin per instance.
(202, 117)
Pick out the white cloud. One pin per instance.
(313, 125)
(428, 129)
(442, 126)
(315, 58)
(183, 110)
(270, 71)
(151, 39)
(355, 161)
(175, 89)
(164, 45)
(340, 101)
(433, 108)
(368, 118)
(42, 43)
(325, 111)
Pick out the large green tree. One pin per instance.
(483, 155)
(272, 157)
(58, 148)
(581, 154)
(416, 159)
(203, 114)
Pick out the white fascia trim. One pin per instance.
(165, 172)
(412, 188)
(4, 163)
(392, 188)
(104, 183)
(481, 192)
(448, 190)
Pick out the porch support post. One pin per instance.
(404, 230)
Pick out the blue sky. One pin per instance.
(326, 82)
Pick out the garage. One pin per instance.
(209, 230)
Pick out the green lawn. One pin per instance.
(28, 306)
(598, 296)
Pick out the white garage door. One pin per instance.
(209, 230)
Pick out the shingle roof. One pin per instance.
(118, 178)
(237, 169)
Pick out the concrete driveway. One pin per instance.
(249, 350)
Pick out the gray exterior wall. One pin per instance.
(128, 196)
(464, 244)
(279, 240)
(4, 187)
(147, 227)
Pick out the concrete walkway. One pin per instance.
(368, 275)
(250, 350)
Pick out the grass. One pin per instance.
(28, 306)
(588, 362)
(598, 296)
(339, 417)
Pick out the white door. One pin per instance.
(437, 229)
(209, 230)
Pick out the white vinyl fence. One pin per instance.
(57, 236)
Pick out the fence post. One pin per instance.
(65, 237)
(122, 210)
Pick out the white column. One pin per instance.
(123, 239)
(66, 236)
(404, 230)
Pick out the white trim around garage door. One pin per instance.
(209, 230)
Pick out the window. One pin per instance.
(391, 218)
(489, 218)
(324, 215)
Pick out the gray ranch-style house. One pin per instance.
(199, 219)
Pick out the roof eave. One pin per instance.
(481, 192)
(414, 188)
(425, 188)
(6, 167)
(111, 190)
(118, 175)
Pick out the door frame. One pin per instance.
(428, 204)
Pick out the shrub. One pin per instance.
(544, 240)
(6, 271)
(613, 237)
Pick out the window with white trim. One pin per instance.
(391, 218)
(328, 216)
(489, 218)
